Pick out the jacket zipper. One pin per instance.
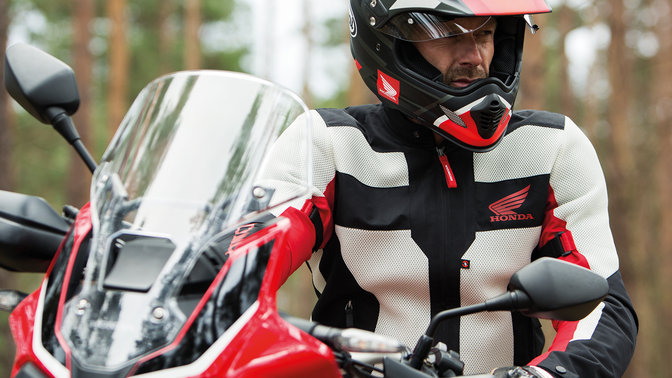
(447, 171)
(349, 318)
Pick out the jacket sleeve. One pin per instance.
(602, 344)
(286, 172)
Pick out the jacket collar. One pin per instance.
(408, 131)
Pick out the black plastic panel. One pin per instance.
(30, 232)
(30, 371)
(137, 261)
(235, 294)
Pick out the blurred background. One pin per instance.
(605, 63)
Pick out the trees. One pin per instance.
(100, 40)
(623, 105)
(623, 101)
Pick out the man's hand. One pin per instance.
(520, 372)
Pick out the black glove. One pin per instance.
(519, 372)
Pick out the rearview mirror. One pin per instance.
(547, 288)
(40, 83)
(558, 289)
(46, 88)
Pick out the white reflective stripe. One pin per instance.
(379, 260)
(400, 4)
(52, 364)
(381, 170)
(586, 327)
(199, 366)
(440, 120)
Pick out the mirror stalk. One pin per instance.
(63, 124)
(515, 300)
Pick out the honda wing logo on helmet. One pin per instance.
(388, 87)
(504, 208)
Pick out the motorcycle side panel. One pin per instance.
(269, 346)
(266, 345)
(21, 324)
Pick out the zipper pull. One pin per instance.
(349, 318)
(447, 171)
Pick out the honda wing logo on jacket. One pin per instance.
(504, 208)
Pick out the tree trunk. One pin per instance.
(78, 175)
(620, 171)
(192, 24)
(118, 63)
(565, 24)
(6, 119)
(166, 36)
(532, 85)
(307, 32)
(619, 68)
(631, 226)
(654, 278)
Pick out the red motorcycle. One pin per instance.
(172, 268)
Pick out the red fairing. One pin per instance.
(21, 323)
(267, 345)
(82, 228)
(22, 319)
(486, 7)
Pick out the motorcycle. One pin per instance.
(172, 268)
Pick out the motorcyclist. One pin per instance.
(433, 198)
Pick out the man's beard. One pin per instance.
(464, 72)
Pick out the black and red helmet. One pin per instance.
(474, 117)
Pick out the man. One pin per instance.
(432, 199)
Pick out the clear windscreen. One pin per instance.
(184, 166)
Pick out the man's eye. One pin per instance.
(484, 33)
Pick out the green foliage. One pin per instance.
(41, 158)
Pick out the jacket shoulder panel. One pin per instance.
(536, 118)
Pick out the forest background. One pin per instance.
(605, 63)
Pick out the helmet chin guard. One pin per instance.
(474, 117)
(479, 126)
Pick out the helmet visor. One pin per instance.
(419, 27)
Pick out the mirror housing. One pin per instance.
(30, 232)
(558, 289)
(47, 89)
(40, 83)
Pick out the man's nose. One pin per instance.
(469, 53)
